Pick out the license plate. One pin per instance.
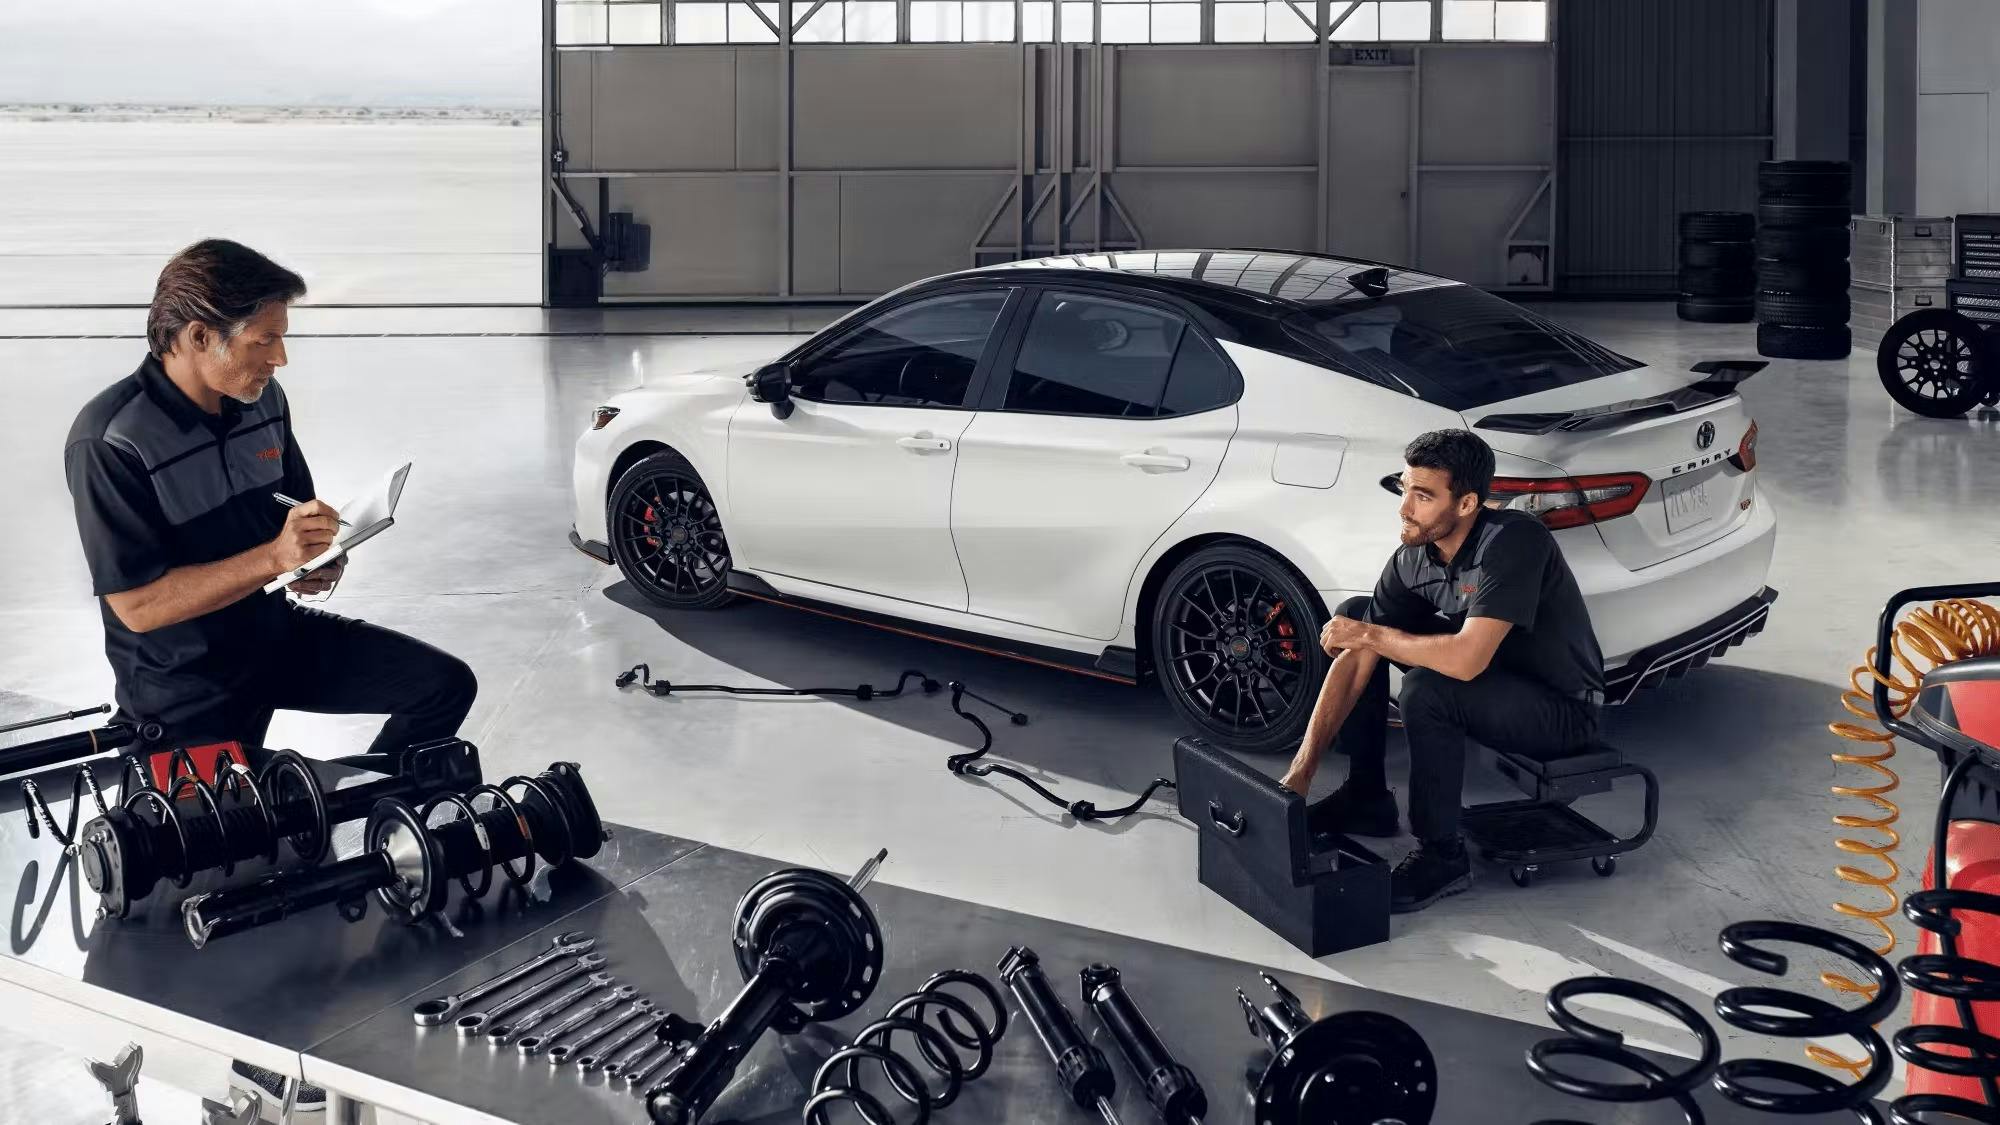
(1687, 505)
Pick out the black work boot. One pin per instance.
(1353, 812)
(1437, 869)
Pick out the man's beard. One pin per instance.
(1419, 535)
(249, 397)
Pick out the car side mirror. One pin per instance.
(772, 383)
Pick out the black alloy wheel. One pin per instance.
(1935, 362)
(666, 534)
(1236, 648)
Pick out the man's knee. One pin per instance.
(453, 679)
(1426, 695)
(1355, 608)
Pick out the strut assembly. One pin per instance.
(1353, 1068)
(410, 865)
(128, 849)
(809, 949)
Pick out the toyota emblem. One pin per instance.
(1705, 436)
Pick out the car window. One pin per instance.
(1096, 357)
(920, 354)
(1201, 379)
(1454, 345)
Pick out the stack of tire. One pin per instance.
(1803, 210)
(1718, 275)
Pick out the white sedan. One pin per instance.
(1170, 466)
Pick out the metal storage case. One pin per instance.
(1899, 264)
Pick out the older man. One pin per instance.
(173, 471)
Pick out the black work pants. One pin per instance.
(334, 665)
(1498, 709)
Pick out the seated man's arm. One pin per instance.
(1462, 655)
(1509, 591)
(121, 525)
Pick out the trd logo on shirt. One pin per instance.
(271, 454)
(1468, 588)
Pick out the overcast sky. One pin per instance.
(364, 52)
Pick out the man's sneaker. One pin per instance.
(1427, 875)
(1353, 814)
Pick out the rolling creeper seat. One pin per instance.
(1526, 834)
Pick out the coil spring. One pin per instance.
(1955, 977)
(958, 1029)
(37, 807)
(468, 811)
(1592, 1041)
(1955, 629)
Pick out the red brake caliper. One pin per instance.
(651, 541)
(1288, 648)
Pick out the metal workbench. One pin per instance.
(330, 1001)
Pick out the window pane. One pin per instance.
(1038, 21)
(989, 21)
(1468, 19)
(1239, 23)
(918, 355)
(1288, 23)
(1087, 356)
(871, 21)
(1077, 21)
(701, 23)
(1177, 23)
(1523, 19)
(1363, 25)
(1406, 20)
(580, 24)
(823, 27)
(936, 21)
(635, 23)
(1201, 379)
(1123, 23)
(745, 27)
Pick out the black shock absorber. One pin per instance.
(409, 864)
(810, 950)
(1082, 1069)
(152, 836)
(57, 749)
(1173, 1090)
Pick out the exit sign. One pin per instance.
(1372, 56)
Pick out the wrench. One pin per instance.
(477, 1022)
(499, 1035)
(635, 1076)
(533, 1044)
(435, 1011)
(604, 1056)
(561, 1052)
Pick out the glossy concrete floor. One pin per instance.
(487, 404)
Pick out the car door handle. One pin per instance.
(1152, 462)
(923, 443)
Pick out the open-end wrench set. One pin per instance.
(561, 1005)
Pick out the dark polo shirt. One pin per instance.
(1511, 569)
(158, 483)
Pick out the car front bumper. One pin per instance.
(1676, 656)
(590, 547)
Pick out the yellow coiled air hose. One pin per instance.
(1958, 629)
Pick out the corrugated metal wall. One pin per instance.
(1665, 106)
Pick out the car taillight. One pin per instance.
(1561, 502)
(1746, 451)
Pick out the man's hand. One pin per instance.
(1344, 633)
(321, 580)
(309, 529)
(1299, 779)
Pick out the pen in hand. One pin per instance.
(291, 503)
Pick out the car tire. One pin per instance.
(1935, 349)
(1696, 282)
(1798, 214)
(1717, 226)
(1738, 256)
(1784, 342)
(1796, 311)
(1212, 639)
(1830, 278)
(1806, 247)
(666, 535)
(1717, 310)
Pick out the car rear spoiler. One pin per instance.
(1724, 376)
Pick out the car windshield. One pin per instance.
(1454, 345)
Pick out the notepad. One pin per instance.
(367, 516)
